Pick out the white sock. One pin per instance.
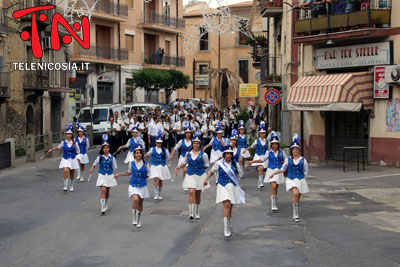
(65, 182)
(72, 182)
(79, 172)
(83, 175)
(103, 203)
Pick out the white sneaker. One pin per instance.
(65, 185)
(274, 200)
(134, 220)
(139, 220)
(227, 231)
(197, 212)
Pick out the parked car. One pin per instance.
(144, 106)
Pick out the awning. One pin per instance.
(334, 92)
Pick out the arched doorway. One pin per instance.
(30, 120)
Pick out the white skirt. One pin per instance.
(143, 192)
(69, 163)
(278, 178)
(257, 157)
(215, 155)
(160, 171)
(83, 158)
(129, 157)
(228, 192)
(301, 185)
(246, 154)
(181, 160)
(106, 180)
(195, 181)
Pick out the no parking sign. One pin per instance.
(272, 96)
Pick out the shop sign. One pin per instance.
(381, 88)
(248, 90)
(202, 80)
(354, 56)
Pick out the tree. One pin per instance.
(226, 83)
(152, 80)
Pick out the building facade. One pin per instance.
(332, 96)
(226, 51)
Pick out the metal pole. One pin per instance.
(194, 77)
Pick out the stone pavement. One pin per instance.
(347, 219)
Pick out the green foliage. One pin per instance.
(153, 79)
(252, 151)
(243, 115)
(19, 152)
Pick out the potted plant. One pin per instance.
(260, 40)
(248, 41)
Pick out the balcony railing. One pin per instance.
(105, 52)
(343, 16)
(4, 84)
(110, 7)
(151, 17)
(274, 69)
(272, 8)
(3, 20)
(153, 58)
(35, 3)
(38, 79)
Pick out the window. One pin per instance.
(130, 3)
(242, 29)
(203, 68)
(203, 39)
(130, 42)
(244, 70)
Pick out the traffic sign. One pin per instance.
(272, 96)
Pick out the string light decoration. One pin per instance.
(74, 10)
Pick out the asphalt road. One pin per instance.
(347, 219)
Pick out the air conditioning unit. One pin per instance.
(392, 74)
(47, 42)
(100, 68)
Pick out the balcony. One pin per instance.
(161, 22)
(27, 19)
(3, 21)
(4, 86)
(154, 59)
(101, 54)
(109, 10)
(355, 18)
(273, 72)
(272, 8)
(36, 80)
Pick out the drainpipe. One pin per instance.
(119, 66)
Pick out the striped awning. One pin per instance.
(334, 92)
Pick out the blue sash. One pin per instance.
(232, 175)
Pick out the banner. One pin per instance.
(202, 80)
(393, 115)
(248, 90)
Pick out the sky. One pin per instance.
(214, 3)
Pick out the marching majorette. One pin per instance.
(243, 142)
(261, 145)
(83, 143)
(217, 143)
(68, 162)
(275, 158)
(237, 155)
(132, 144)
(197, 163)
(105, 180)
(297, 167)
(228, 189)
(159, 170)
(139, 171)
(186, 146)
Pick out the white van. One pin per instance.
(101, 116)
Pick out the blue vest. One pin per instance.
(295, 171)
(158, 159)
(82, 146)
(184, 148)
(133, 144)
(261, 149)
(196, 166)
(236, 156)
(106, 165)
(138, 177)
(275, 162)
(242, 142)
(216, 145)
(223, 178)
(69, 151)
